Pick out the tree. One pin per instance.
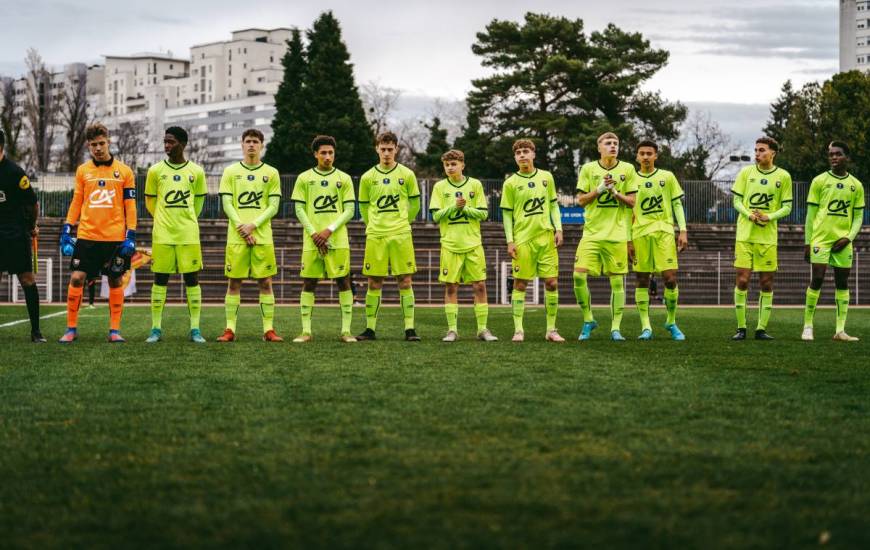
(288, 151)
(10, 122)
(779, 112)
(562, 88)
(333, 103)
(40, 109)
(802, 147)
(380, 102)
(484, 156)
(428, 162)
(73, 118)
(702, 151)
(131, 141)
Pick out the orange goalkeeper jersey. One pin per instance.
(104, 202)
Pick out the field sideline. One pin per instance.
(391, 444)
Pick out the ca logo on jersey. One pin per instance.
(607, 200)
(457, 217)
(534, 206)
(101, 198)
(652, 205)
(388, 203)
(326, 203)
(760, 200)
(839, 208)
(176, 199)
(250, 199)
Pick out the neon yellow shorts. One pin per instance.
(462, 267)
(250, 262)
(602, 257)
(820, 253)
(655, 252)
(755, 256)
(176, 258)
(390, 255)
(335, 265)
(537, 257)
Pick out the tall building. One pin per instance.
(854, 35)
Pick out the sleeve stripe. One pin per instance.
(297, 200)
(858, 208)
(553, 200)
(631, 192)
(363, 202)
(677, 198)
(787, 200)
(413, 196)
(275, 195)
(147, 195)
(812, 203)
(348, 201)
(227, 194)
(510, 209)
(202, 195)
(733, 192)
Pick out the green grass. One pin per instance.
(705, 443)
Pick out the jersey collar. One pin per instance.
(251, 168)
(530, 176)
(109, 162)
(614, 167)
(654, 172)
(833, 175)
(771, 171)
(378, 168)
(179, 167)
(319, 173)
(458, 185)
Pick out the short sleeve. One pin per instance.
(200, 186)
(347, 192)
(411, 186)
(630, 181)
(435, 198)
(364, 183)
(739, 187)
(584, 184)
(675, 188)
(274, 184)
(151, 183)
(298, 194)
(507, 196)
(226, 185)
(786, 193)
(814, 194)
(859, 195)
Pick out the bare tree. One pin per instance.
(40, 109)
(197, 151)
(451, 112)
(10, 123)
(703, 146)
(413, 137)
(131, 141)
(74, 118)
(379, 102)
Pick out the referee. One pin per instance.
(19, 210)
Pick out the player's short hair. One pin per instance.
(842, 145)
(96, 130)
(387, 137)
(607, 135)
(770, 142)
(320, 141)
(648, 143)
(253, 132)
(523, 144)
(453, 154)
(2, 139)
(178, 133)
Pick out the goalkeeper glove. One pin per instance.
(67, 243)
(128, 247)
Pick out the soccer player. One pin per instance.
(658, 202)
(19, 210)
(175, 191)
(835, 208)
(458, 204)
(533, 230)
(389, 199)
(250, 193)
(607, 191)
(104, 205)
(325, 202)
(762, 195)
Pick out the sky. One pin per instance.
(722, 52)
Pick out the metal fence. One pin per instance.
(705, 201)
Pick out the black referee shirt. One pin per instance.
(16, 198)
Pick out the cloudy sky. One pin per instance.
(733, 52)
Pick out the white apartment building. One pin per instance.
(854, 35)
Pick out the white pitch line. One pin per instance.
(18, 322)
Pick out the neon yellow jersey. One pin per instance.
(250, 188)
(839, 199)
(529, 197)
(607, 219)
(765, 192)
(459, 233)
(653, 209)
(387, 194)
(175, 188)
(325, 196)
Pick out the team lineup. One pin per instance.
(630, 214)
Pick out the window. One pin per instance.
(244, 81)
(155, 68)
(210, 69)
(244, 65)
(171, 67)
(209, 85)
(195, 88)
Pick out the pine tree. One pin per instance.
(779, 112)
(332, 97)
(288, 151)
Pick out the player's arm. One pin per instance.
(737, 191)
(785, 203)
(679, 213)
(270, 212)
(857, 220)
(585, 193)
(479, 211)
(151, 191)
(555, 214)
(72, 215)
(348, 204)
(507, 212)
(437, 208)
(629, 190)
(200, 192)
(128, 247)
(229, 209)
(364, 199)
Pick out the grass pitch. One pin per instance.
(389, 444)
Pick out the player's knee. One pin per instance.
(310, 285)
(452, 289)
(551, 284)
(265, 285)
(77, 279)
(161, 279)
(26, 279)
(404, 282)
(580, 279)
(643, 280)
(670, 280)
(191, 279)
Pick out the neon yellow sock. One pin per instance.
(765, 306)
(672, 295)
(617, 301)
(373, 305)
(345, 301)
(810, 306)
(158, 301)
(581, 293)
(841, 297)
(306, 306)
(406, 299)
(231, 307)
(551, 305)
(452, 312)
(740, 307)
(641, 300)
(194, 304)
(267, 311)
(481, 314)
(518, 308)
